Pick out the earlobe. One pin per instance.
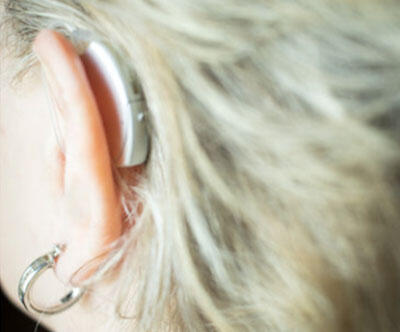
(91, 214)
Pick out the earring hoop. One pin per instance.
(32, 273)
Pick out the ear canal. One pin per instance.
(122, 107)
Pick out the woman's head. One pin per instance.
(269, 200)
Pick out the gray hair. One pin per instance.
(271, 196)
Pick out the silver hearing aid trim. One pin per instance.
(130, 104)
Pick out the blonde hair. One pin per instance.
(271, 195)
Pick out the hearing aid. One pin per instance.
(119, 97)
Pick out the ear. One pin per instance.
(90, 214)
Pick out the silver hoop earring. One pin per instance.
(32, 273)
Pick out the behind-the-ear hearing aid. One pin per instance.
(119, 98)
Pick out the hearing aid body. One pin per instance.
(121, 103)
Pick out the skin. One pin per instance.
(52, 195)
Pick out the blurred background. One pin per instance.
(12, 320)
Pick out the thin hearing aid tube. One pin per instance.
(54, 114)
